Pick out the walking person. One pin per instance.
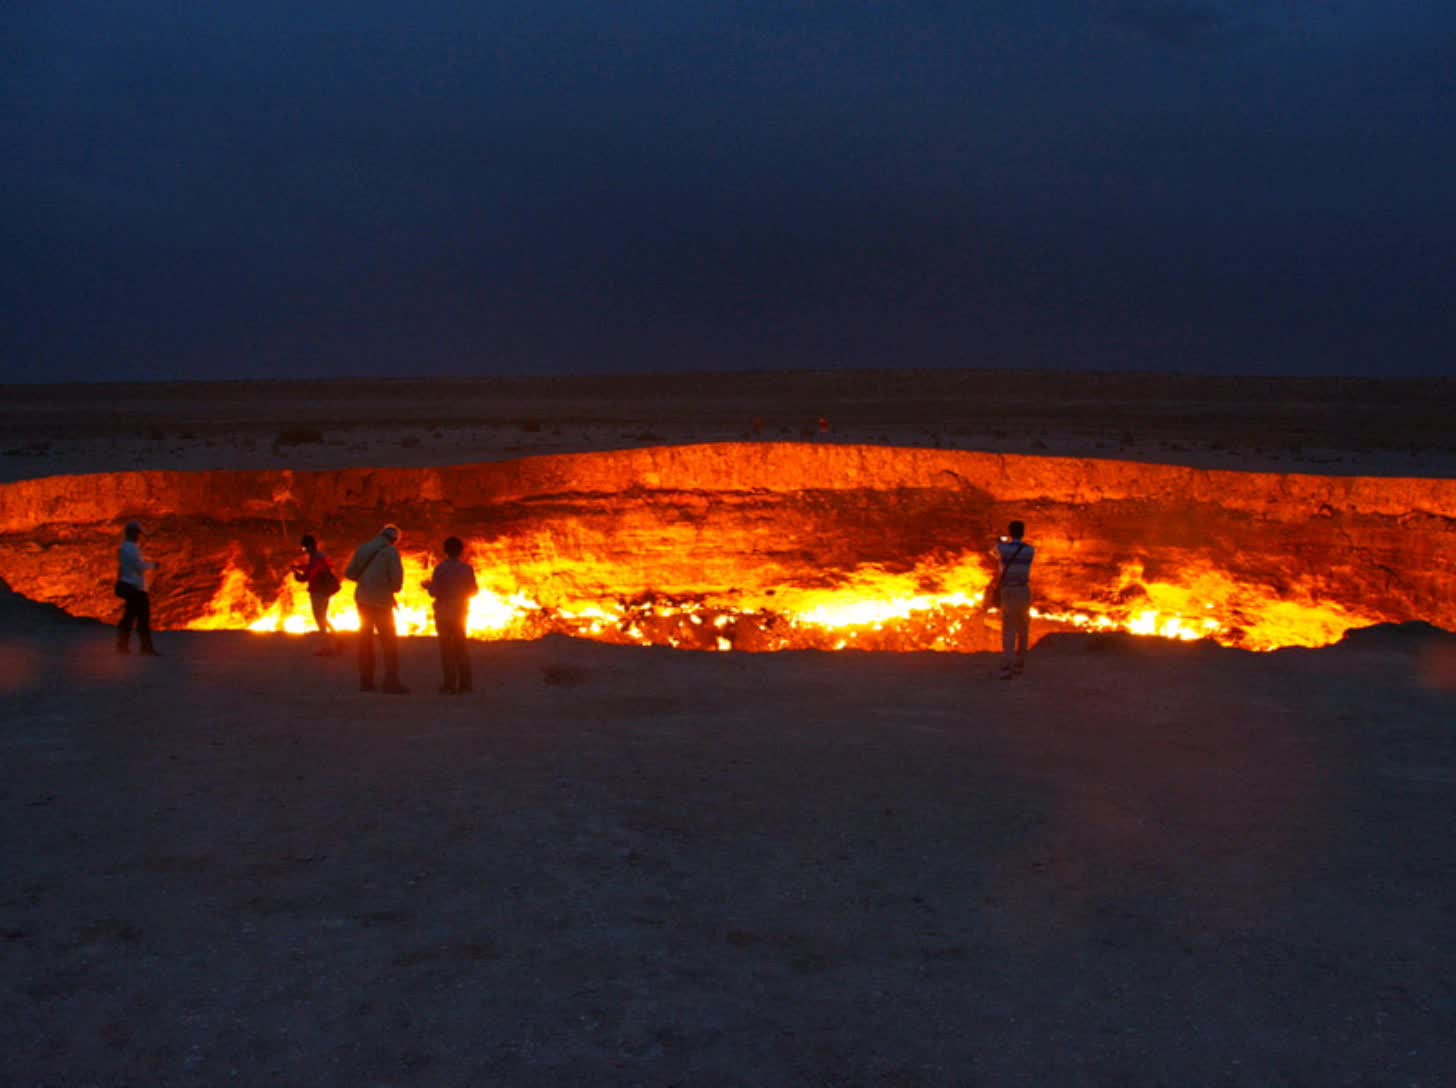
(452, 585)
(379, 574)
(317, 572)
(131, 587)
(1015, 556)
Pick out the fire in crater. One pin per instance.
(770, 546)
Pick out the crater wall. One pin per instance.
(746, 521)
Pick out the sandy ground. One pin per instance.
(1274, 425)
(1141, 864)
(1136, 865)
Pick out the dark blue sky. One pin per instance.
(270, 189)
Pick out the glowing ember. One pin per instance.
(875, 613)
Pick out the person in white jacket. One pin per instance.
(379, 574)
(131, 587)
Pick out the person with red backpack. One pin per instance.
(317, 572)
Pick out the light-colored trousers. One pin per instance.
(1015, 622)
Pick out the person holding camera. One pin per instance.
(317, 572)
(131, 587)
(1015, 556)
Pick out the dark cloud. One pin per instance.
(1186, 25)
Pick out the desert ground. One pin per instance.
(1139, 864)
(1340, 426)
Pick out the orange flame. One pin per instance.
(875, 610)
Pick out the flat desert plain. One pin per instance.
(1139, 864)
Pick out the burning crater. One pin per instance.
(770, 546)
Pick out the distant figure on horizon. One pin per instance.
(131, 587)
(317, 572)
(452, 585)
(1014, 583)
(379, 574)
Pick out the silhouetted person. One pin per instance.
(379, 574)
(317, 572)
(1015, 555)
(452, 585)
(131, 587)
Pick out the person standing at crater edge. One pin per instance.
(1015, 555)
(317, 571)
(131, 587)
(379, 574)
(452, 585)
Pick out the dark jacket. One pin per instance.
(315, 571)
(452, 585)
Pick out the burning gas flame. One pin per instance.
(927, 608)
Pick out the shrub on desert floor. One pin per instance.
(298, 436)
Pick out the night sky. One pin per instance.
(259, 189)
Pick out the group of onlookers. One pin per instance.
(378, 574)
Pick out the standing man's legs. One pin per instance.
(1015, 627)
(453, 655)
(128, 619)
(320, 604)
(445, 636)
(138, 613)
(389, 646)
(367, 622)
(462, 656)
(144, 621)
